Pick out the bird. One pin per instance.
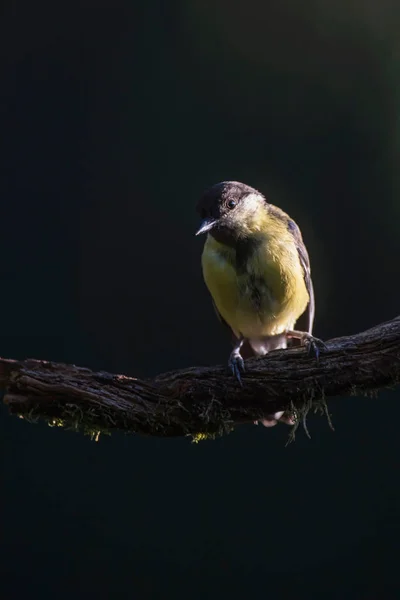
(257, 270)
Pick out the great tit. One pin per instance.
(257, 270)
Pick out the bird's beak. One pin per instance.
(206, 225)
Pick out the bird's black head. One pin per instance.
(225, 207)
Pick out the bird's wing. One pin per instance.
(305, 263)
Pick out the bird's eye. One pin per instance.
(231, 204)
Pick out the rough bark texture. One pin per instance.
(202, 399)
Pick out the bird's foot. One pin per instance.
(236, 364)
(312, 344)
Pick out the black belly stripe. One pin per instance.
(257, 288)
(245, 250)
(254, 286)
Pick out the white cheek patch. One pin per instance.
(251, 204)
(253, 201)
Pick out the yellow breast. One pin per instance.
(265, 295)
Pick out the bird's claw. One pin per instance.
(313, 345)
(236, 364)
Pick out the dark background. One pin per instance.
(114, 118)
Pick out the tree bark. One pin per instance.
(203, 400)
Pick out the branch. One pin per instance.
(204, 400)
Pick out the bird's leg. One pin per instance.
(236, 361)
(312, 343)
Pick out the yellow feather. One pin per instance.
(274, 270)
